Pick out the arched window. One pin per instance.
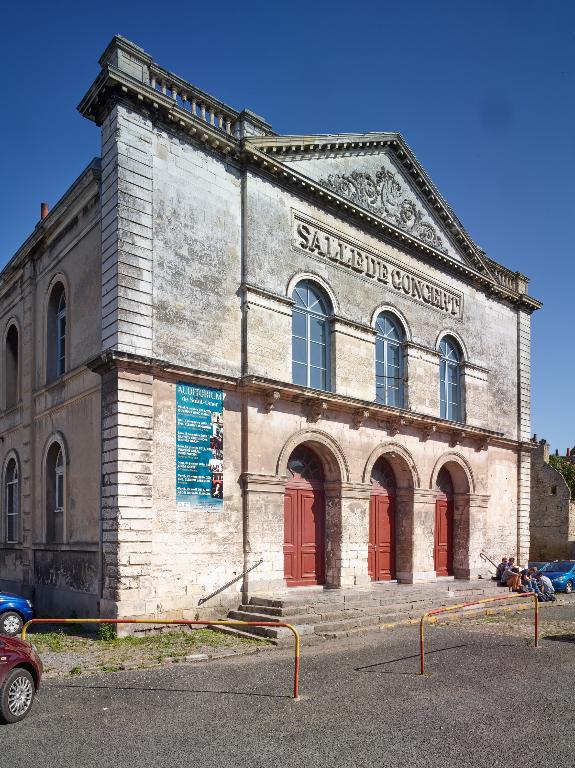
(310, 337)
(305, 464)
(389, 361)
(383, 476)
(11, 367)
(56, 333)
(12, 502)
(55, 493)
(450, 380)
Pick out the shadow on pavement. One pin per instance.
(406, 658)
(168, 690)
(560, 638)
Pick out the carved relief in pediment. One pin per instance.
(386, 195)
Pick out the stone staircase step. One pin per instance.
(283, 613)
(344, 624)
(299, 619)
(339, 612)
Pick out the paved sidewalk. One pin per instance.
(363, 704)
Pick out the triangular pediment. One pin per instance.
(378, 173)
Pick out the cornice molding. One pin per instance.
(313, 402)
(46, 227)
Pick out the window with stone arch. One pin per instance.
(389, 383)
(450, 394)
(56, 333)
(55, 499)
(11, 367)
(304, 464)
(310, 337)
(11, 501)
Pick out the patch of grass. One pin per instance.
(173, 643)
(76, 671)
(177, 641)
(107, 632)
(109, 668)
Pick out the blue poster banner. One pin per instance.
(199, 448)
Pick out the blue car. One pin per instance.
(14, 613)
(562, 574)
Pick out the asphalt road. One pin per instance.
(362, 704)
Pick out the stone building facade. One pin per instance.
(552, 511)
(316, 299)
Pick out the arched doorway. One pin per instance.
(444, 504)
(304, 520)
(381, 546)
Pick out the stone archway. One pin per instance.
(304, 519)
(453, 484)
(407, 488)
(335, 487)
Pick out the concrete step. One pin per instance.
(335, 613)
(299, 619)
(278, 613)
(345, 624)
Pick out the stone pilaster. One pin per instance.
(347, 534)
(127, 514)
(127, 231)
(264, 532)
(353, 359)
(469, 521)
(404, 534)
(421, 368)
(419, 536)
(523, 433)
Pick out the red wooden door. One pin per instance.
(381, 547)
(304, 534)
(444, 537)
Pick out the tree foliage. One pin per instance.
(567, 469)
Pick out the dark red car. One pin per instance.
(20, 673)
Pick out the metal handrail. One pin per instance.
(185, 623)
(467, 605)
(203, 600)
(484, 556)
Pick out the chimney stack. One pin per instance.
(44, 210)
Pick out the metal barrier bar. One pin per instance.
(436, 611)
(182, 622)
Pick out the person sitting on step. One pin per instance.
(501, 568)
(513, 580)
(546, 587)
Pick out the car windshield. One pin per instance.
(558, 567)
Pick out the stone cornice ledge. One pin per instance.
(113, 359)
(394, 418)
(112, 83)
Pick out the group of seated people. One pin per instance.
(525, 580)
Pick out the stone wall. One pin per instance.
(61, 577)
(552, 512)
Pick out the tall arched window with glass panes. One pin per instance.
(389, 361)
(310, 337)
(450, 395)
(11, 502)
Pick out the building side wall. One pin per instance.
(194, 552)
(197, 256)
(61, 577)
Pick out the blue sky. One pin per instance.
(483, 92)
